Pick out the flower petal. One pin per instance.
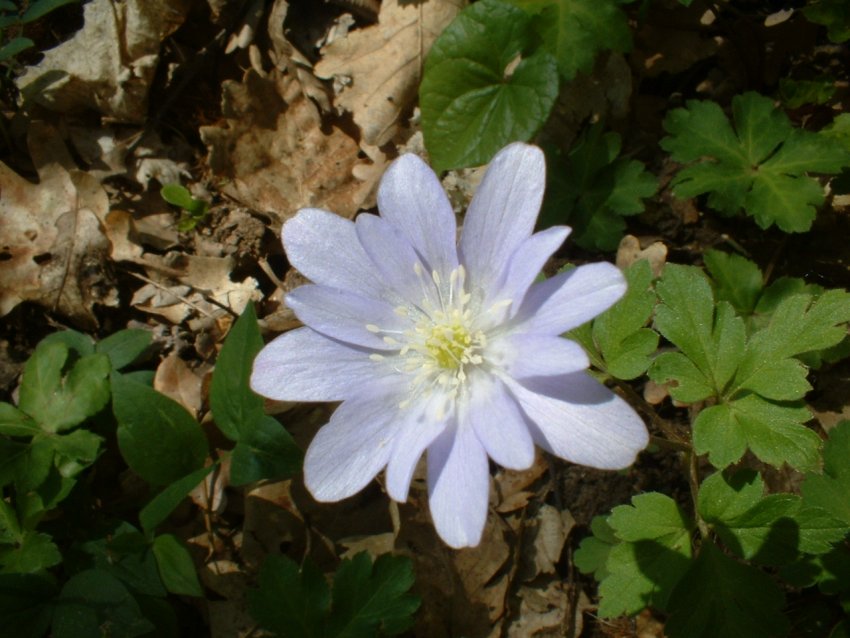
(580, 420)
(417, 429)
(396, 260)
(324, 248)
(458, 486)
(502, 213)
(523, 355)
(570, 299)
(411, 198)
(303, 365)
(344, 315)
(498, 422)
(527, 262)
(347, 453)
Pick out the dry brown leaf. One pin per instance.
(274, 153)
(109, 64)
(546, 610)
(180, 284)
(629, 251)
(175, 379)
(548, 531)
(384, 63)
(53, 250)
(512, 485)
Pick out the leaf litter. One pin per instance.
(84, 243)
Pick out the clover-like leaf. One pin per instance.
(759, 166)
(484, 85)
(59, 402)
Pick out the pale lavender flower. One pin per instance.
(444, 346)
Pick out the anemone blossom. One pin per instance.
(444, 346)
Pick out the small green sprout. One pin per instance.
(194, 210)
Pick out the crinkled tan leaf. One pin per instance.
(384, 63)
(53, 248)
(109, 64)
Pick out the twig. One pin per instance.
(172, 293)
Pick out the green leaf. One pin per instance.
(774, 432)
(13, 422)
(32, 464)
(93, 600)
(15, 46)
(25, 605)
(726, 495)
(718, 596)
(76, 341)
(124, 347)
(833, 14)
(592, 188)
(772, 530)
(474, 97)
(291, 602)
(592, 554)
(269, 452)
(10, 528)
(759, 166)
(236, 408)
(712, 343)
(157, 437)
(75, 450)
(371, 600)
(161, 506)
(643, 570)
(41, 8)
(736, 280)
(831, 490)
(575, 31)
(176, 566)
(368, 600)
(797, 93)
(58, 403)
(34, 553)
(181, 197)
(624, 342)
(128, 556)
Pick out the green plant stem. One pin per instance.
(693, 482)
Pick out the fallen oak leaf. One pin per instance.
(53, 249)
(384, 62)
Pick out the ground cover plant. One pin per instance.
(221, 218)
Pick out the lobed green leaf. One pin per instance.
(759, 166)
(718, 596)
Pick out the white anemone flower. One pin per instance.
(444, 346)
